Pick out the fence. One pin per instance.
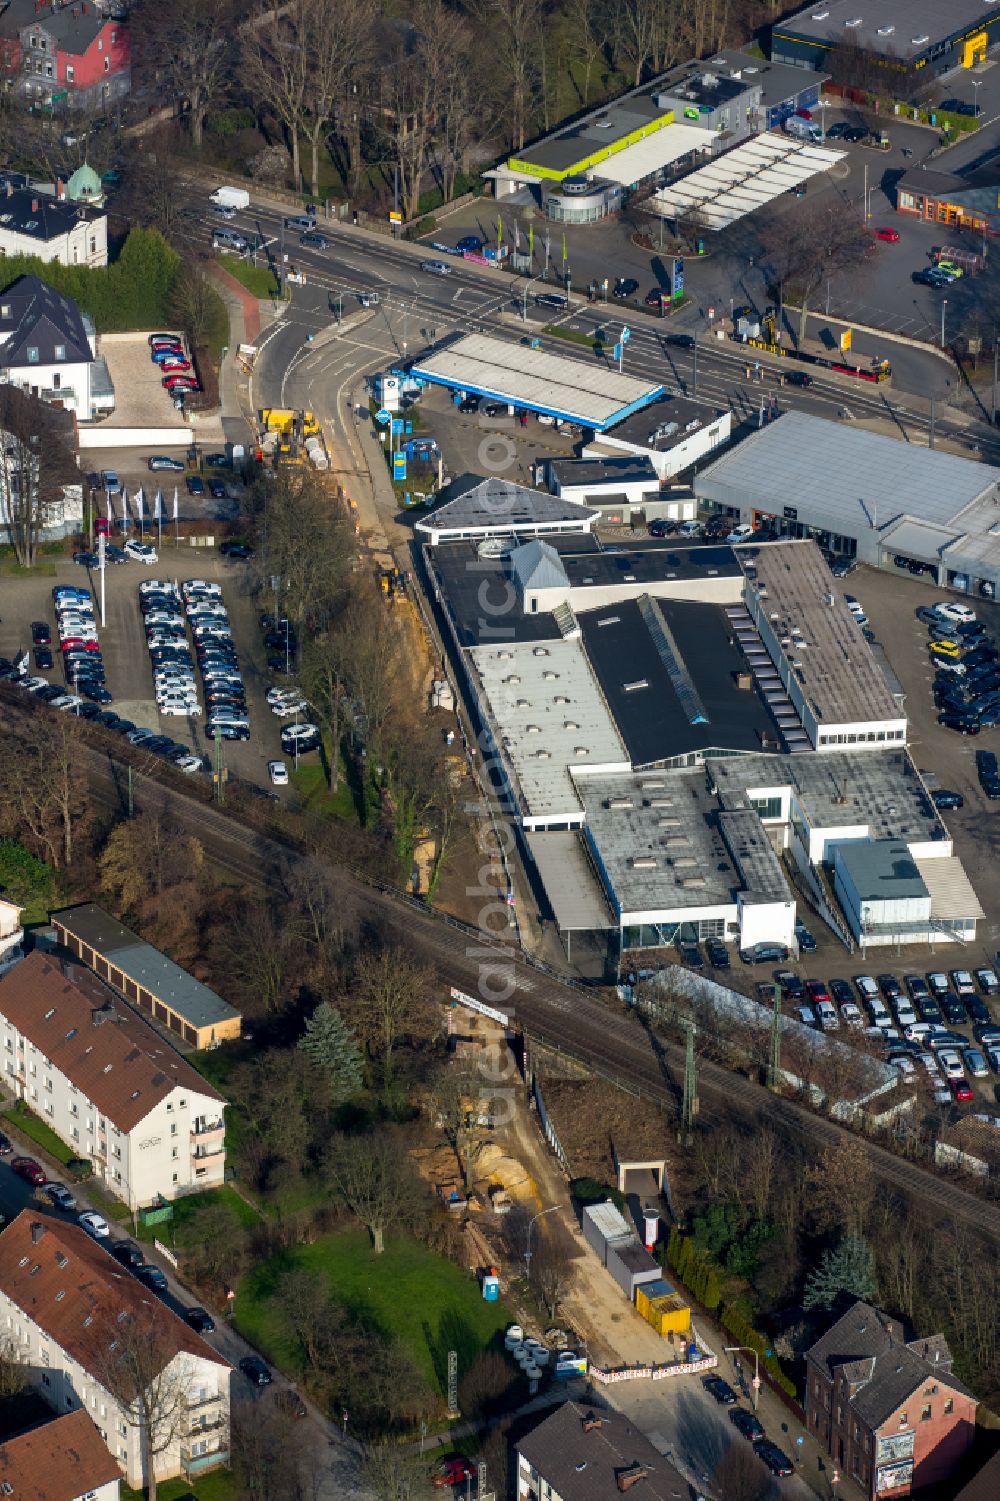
(549, 1129)
(658, 1371)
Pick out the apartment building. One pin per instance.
(63, 1459)
(109, 1086)
(577, 1454)
(887, 1409)
(11, 936)
(76, 1317)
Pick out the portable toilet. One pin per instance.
(491, 1286)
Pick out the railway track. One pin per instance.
(553, 1011)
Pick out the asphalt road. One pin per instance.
(417, 308)
(550, 1007)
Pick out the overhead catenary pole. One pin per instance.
(774, 1064)
(689, 1102)
(993, 403)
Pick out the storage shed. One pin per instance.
(604, 1225)
(631, 1265)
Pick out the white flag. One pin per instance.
(158, 503)
(139, 499)
(125, 504)
(175, 502)
(111, 514)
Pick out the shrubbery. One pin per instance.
(132, 292)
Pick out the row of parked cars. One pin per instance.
(167, 352)
(170, 656)
(749, 1425)
(227, 717)
(967, 668)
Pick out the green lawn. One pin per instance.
(429, 1302)
(311, 785)
(220, 1485)
(260, 280)
(183, 1228)
(27, 1121)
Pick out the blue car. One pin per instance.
(471, 243)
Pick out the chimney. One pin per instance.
(590, 1422)
(37, 1231)
(60, 188)
(630, 1475)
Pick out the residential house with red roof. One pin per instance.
(108, 1083)
(64, 1459)
(92, 1336)
(65, 54)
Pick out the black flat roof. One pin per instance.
(648, 565)
(652, 720)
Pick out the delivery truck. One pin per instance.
(237, 198)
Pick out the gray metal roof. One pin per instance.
(472, 504)
(581, 390)
(778, 82)
(918, 539)
(900, 28)
(952, 894)
(842, 477)
(574, 892)
(881, 870)
(537, 565)
(185, 995)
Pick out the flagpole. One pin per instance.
(177, 536)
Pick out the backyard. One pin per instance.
(429, 1303)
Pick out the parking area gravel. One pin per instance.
(140, 400)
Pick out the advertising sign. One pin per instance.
(676, 279)
(399, 466)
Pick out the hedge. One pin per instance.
(700, 1277)
(132, 292)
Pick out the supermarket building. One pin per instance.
(918, 35)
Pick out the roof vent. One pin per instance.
(854, 24)
(886, 30)
(820, 15)
(635, 685)
(919, 41)
(619, 804)
(628, 1477)
(644, 862)
(590, 1421)
(37, 1231)
(533, 729)
(540, 651)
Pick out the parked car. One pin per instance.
(256, 1372)
(718, 954)
(454, 1471)
(890, 236)
(153, 1278)
(164, 461)
(747, 1423)
(720, 1390)
(943, 798)
(770, 1455)
(804, 939)
(60, 1196)
(95, 1225)
(764, 953)
(625, 286)
(128, 1253)
(28, 1169)
(200, 1320)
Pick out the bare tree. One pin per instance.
(391, 997)
(456, 1104)
(340, 45)
(274, 1456)
(191, 43)
(275, 50)
(372, 1176)
(390, 1472)
(740, 1476)
(840, 1188)
(817, 242)
(36, 464)
(551, 1270)
(283, 507)
(141, 1369)
(513, 28)
(45, 789)
(634, 27)
(14, 1374)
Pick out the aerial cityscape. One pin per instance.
(499, 723)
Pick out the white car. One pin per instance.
(299, 732)
(141, 551)
(962, 982)
(827, 1013)
(189, 764)
(201, 586)
(67, 702)
(288, 707)
(951, 1063)
(435, 268)
(938, 981)
(158, 586)
(741, 533)
(851, 1015)
(95, 1225)
(905, 1014)
(278, 772)
(903, 1063)
(952, 610)
(177, 710)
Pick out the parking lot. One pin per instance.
(126, 658)
(140, 400)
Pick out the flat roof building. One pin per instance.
(146, 977)
(537, 380)
(818, 650)
(861, 494)
(673, 433)
(473, 509)
(923, 35)
(743, 180)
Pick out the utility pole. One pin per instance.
(219, 794)
(930, 436)
(993, 405)
(694, 373)
(131, 793)
(689, 1104)
(774, 1066)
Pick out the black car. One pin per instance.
(720, 1390)
(496, 409)
(977, 1009)
(679, 341)
(200, 1320)
(41, 633)
(552, 299)
(124, 726)
(113, 554)
(255, 1370)
(227, 732)
(804, 939)
(797, 378)
(128, 1253)
(747, 1423)
(840, 991)
(662, 527)
(929, 1010)
(43, 658)
(889, 986)
(108, 719)
(792, 985)
(838, 131)
(86, 559)
(691, 956)
(153, 1277)
(954, 1011)
(855, 133)
(718, 954)
(314, 240)
(943, 797)
(770, 1455)
(469, 404)
(6, 1146)
(87, 711)
(930, 277)
(239, 550)
(625, 286)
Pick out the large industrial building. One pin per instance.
(865, 496)
(922, 35)
(677, 729)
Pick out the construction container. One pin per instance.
(631, 1266)
(603, 1225)
(662, 1308)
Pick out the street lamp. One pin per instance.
(975, 85)
(745, 1349)
(944, 309)
(524, 297)
(531, 1223)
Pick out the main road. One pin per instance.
(416, 307)
(551, 1008)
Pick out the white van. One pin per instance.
(828, 1018)
(802, 130)
(741, 533)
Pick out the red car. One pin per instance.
(961, 1091)
(180, 383)
(28, 1168)
(77, 643)
(817, 991)
(454, 1471)
(171, 367)
(889, 235)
